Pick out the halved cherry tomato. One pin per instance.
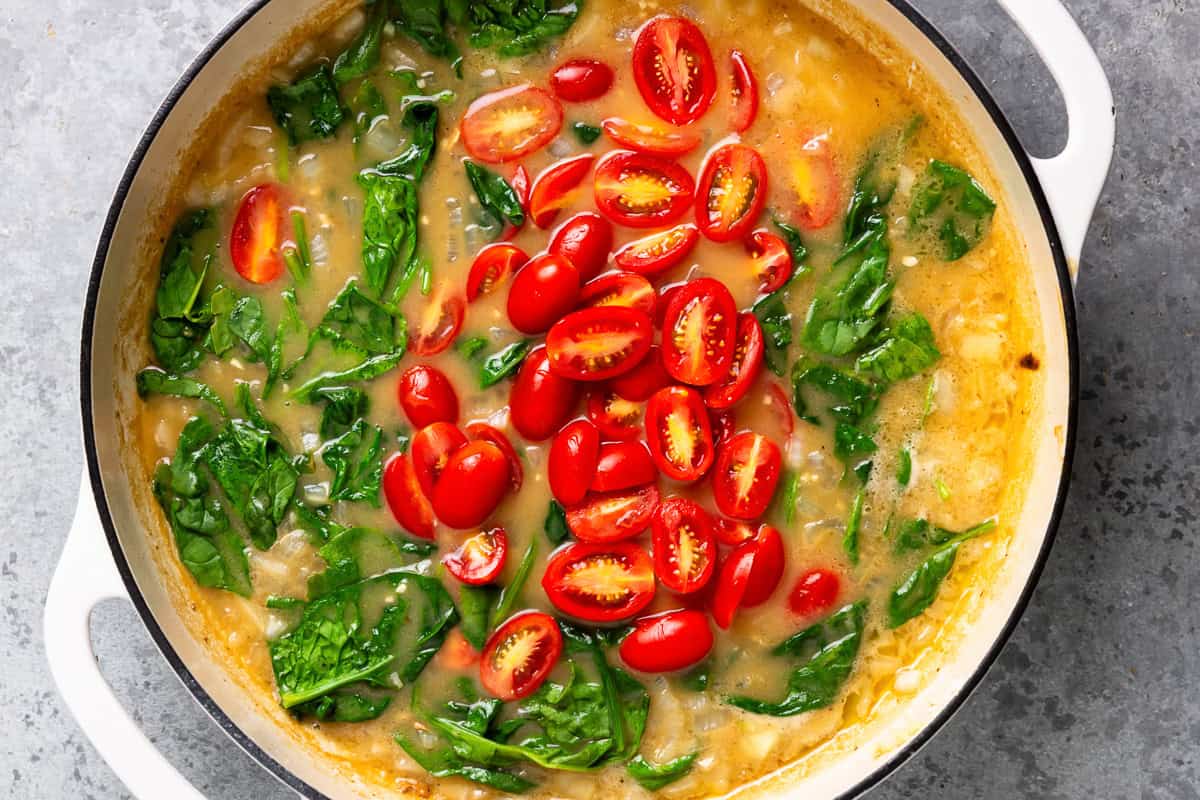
(733, 532)
(542, 292)
(772, 260)
(585, 240)
(650, 139)
(614, 516)
(599, 582)
(479, 559)
(699, 332)
(777, 400)
(685, 550)
(658, 252)
(439, 322)
(731, 584)
(427, 396)
(456, 653)
(581, 79)
(678, 432)
(667, 642)
(623, 465)
(724, 426)
(519, 656)
(643, 380)
(471, 486)
(482, 432)
(511, 123)
(768, 566)
(257, 235)
(665, 294)
(554, 188)
(733, 189)
(627, 289)
(815, 593)
(599, 343)
(817, 186)
(541, 400)
(430, 451)
(405, 499)
(640, 190)
(673, 69)
(491, 268)
(572, 462)
(616, 417)
(744, 93)
(743, 371)
(745, 476)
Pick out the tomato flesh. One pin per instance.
(482, 432)
(815, 593)
(430, 451)
(744, 93)
(541, 400)
(768, 566)
(438, 323)
(673, 69)
(745, 367)
(615, 417)
(640, 190)
(511, 123)
(542, 292)
(585, 240)
(554, 188)
(732, 192)
(520, 655)
(745, 476)
(668, 642)
(650, 139)
(257, 237)
(772, 260)
(581, 79)
(614, 516)
(595, 344)
(685, 548)
(699, 332)
(405, 499)
(732, 532)
(623, 465)
(492, 268)
(679, 434)
(473, 483)
(658, 252)
(626, 289)
(816, 184)
(599, 582)
(641, 382)
(731, 585)
(479, 559)
(427, 396)
(724, 426)
(572, 461)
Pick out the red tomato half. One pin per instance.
(724, 426)
(257, 235)
(479, 559)
(731, 584)
(745, 476)
(519, 656)
(650, 139)
(744, 93)
(679, 434)
(767, 545)
(482, 432)
(427, 396)
(733, 189)
(572, 461)
(641, 382)
(642, 191)
(405, 499)
(555, 188)
(542, 292)
(673, 69)
(612, 517)
(626, 289)
(581, 79)
(457, 654)
(667, 642)
(743, 371)
(685, 549)
(599, 582)
(599, 343)
(616, 417)
(438, 323)
(816, 183)
(776, 399)
(658, 252)
(733, 532)
(815, 593)
(541, 400)
(585, 240)
(511, 123)
(430, 451)
(699, 332)
(472, 484)
(623, 465)
(772, 260)
(492, 267)
(665, 294)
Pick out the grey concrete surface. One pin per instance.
(1094, 697)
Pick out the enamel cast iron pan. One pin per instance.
(107, 553)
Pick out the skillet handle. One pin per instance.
(85, 576)
(1075, 177)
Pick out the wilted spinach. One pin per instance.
(510, 595)
(495, 195)
(362, 55)
(153, 380)
(309, 107)
(952, 203)
(475, 604)
(917, 591)
(850, 301)
(356, 459)
(776, 321)
(555, 525)
(520, 27)
(585, 133)
(343, 406)
(656, 776)
(502, 363)
(902, 350)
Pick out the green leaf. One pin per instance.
(520, 27)
(501, 364)
(917, 591)
(853, 525)
(555, 525)
(795, 242)
(851, 443)
(180, 277)
(178, 344)
(585, 133)
(425, 22)
(343, 406)
(220, 339)
(152, 380)
(495, 195)
(475, 604)
(356, 459)
(776, 321)
(445, 763)
(309, 108)
(362, 55)
(353, 555)
(919, 534)
(343, 706)
(368, 107)
(854, 400)
(850, 302)
(952, 203)
(904, 467)
(256, 474)
(656, 776)
(356, 323)
(902, 350)
(511, 594)
(368, 370)
(472, 347)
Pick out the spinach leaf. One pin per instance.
(362, 55)
(850, 443)
(256, 474)
(425, 22)
(585, 133)
(776, 321)
(828, 649)
(343, 406)
(446, 763)
(152, 380)
(180, 277)
(356, 459)
(853, 525)
(850, 301)
(919, 588)
(368, 107)
(919, 534)
(520, 27)
(356, 323)
(698, 678)
(368, 370)
(656, 776)
(248, 322)
(421, 121)
(787, 495)
(495, 195)
(309, 108)
(555, 525)
(343, 706)
(854, 400)
(795, 242)
(875, 184)
(220, 339)
(177, 344)
(902, 350)
(501, 364)
(904, 467)
(510, 595)
(353, 555)
(317, 523)
(953, 203)
(475, 604)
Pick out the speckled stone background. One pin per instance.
(1094, 697)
